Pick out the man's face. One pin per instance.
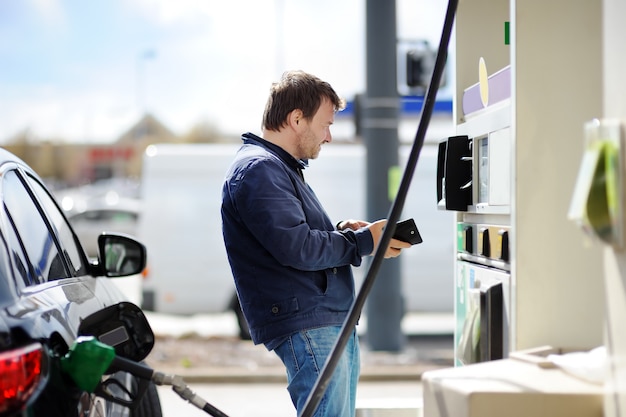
(316, 132)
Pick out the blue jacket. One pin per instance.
(291, 266)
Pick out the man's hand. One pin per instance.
(395, 245)
(352, 224)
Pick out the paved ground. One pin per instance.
(373, 399)
(223, 369)
(228, 359)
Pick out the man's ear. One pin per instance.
(295, 118)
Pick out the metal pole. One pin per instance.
(381, 108)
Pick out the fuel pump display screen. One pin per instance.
(483, 170)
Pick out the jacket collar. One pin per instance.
(251, 138)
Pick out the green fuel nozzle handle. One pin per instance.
(87, 360)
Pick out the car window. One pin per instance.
(6, 288)
(66, 237)
(33, 233)
(23, 272)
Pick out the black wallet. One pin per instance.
(406, 231)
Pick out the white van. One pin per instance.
(188, 271)
(180, 225)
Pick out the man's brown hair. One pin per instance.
(297, 90)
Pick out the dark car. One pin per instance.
(51, 294)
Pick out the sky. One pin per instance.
(87, 70)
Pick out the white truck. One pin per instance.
(188, 271)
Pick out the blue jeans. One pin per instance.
(304, 355)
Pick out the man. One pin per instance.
(291, 264)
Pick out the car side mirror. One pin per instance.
(121, 255)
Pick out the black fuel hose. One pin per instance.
(179, 386)
(394, 215)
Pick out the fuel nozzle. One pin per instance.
(87, 360)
